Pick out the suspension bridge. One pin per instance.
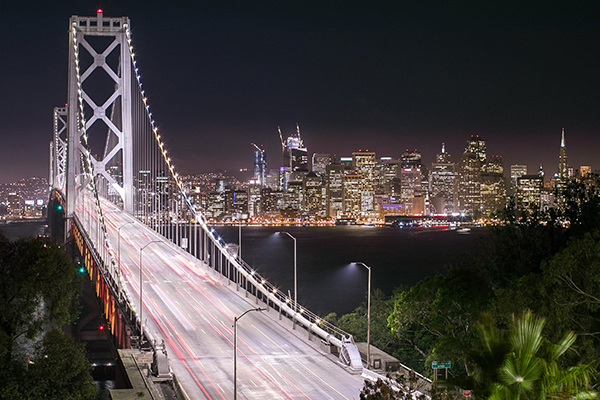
(167, 281)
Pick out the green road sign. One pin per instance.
(441, 365)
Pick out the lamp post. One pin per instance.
(142, 287)
(240, 236)
(368, 314)
(295, 275)
(119, 241)
(235, 320)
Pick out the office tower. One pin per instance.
(335, 190)
(516, 171)
(295, 158)
(493, 186)
(236, 202)
(529, 191)
(346, 162)
(216, 205)
(295, 155)
(563, 168)
(254, 200)
(388, 177)
(410, 179)
(260, 165)
(291, 201)
(352, 195)
(469, 177)
(320, 161)
(443, 184)
(272, 180)
(363, 164)
(315, 197)
(14, 204)
(268, 203)
(585, 170)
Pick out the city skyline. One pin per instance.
(380, 77)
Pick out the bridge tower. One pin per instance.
(88, 111)
(58, 151)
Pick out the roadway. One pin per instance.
(192, 309)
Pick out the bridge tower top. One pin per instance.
(91, 113)
(99, 25)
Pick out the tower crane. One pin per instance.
(258, 148)
(282, 142)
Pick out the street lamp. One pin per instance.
(119, 241)
(240, 236)
(295, 275)
(235, 320)
(368, 314)
(142, 287)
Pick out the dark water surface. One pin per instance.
(327, 282)
(23, 228)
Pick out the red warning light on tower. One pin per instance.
(99, 11)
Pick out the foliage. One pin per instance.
(437, 315)
(60, 370)
(566, 291)
(39, 286)
(39, 290)
(520, 363)
(547, 261)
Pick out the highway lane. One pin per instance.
(192, 309)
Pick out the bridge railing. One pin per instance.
(281, 297)
(117, 289)
(299, 315)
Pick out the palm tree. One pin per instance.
(523, 365)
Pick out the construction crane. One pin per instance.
(282, 142)
(298, 134)
(258, 148)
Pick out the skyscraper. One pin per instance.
(410, 179)
(516, 171)
(315, 202)
(260, 165)
(335, 190)
(295, 154)
(563, 168)
(443, 183)
(388, 177)
(363, 163)
(295, 158)
(320, 161)
(352, 195)
(493, 186)
(469, 175)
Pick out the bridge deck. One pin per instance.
(187, 305)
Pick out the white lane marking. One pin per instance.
(175, 310)
(299, 363)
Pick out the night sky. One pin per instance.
(383, 76)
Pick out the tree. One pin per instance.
(39, 287)
(39, 291)
(437, 315)
(566, 291)
(60, 370)
(521, 364)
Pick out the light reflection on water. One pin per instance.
(326, 280)
(104, 388)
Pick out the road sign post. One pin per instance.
(435, 365)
